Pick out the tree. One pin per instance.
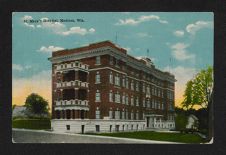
(36, 104)
(199, 90)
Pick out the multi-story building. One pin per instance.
(100, 88)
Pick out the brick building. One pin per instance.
(100, 88)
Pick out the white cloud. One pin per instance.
(142, 35)
(141, 19)
(49, 49)
(179, 33)
(18, 67)
(193, 28)
(163, 21)
(182, 75)
(78, 30)
(180, 52)
(127, 48)
(141, 57)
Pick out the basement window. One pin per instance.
(68, 127)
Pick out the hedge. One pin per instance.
(32, 123)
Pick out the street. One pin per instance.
(40, 136)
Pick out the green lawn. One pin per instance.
(151, 135)
(32, 123)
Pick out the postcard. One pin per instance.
(112, 77)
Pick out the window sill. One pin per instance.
(97, 101)
(97, 64)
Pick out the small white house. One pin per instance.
(19, 111)
(192, 120)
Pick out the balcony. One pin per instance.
(75, 102)
(75, 83)
(72, 66)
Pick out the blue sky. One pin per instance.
(185, 38)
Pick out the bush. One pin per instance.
(181, 122)
(32, 123)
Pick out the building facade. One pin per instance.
(100, 88)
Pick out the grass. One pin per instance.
(151, 135)
(32, 123)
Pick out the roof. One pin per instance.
(89, 47)
(193, 116)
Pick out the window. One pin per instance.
(97, 128)
(117, 97)
(137, 103)
(132, 100)
(163, 106)
(97, 113)
(148, 90)
(132, 85)
(159, 105)
(98, 60)
(97, 77)
(143, 88)
(123, 98)
(123, 81)
(127, 114)
(137, 115)
(68, 127)
(117, 114)
(116, 62)
(110, 96)
(137, 86)
(110, 114)
(131, 115)
(111, 60)
(111, 78)
(97, 96)
(143, 102)
(127, 83)
(127, 99)
(123, 114)
(117, 80)
(148, 103)
(153, 103)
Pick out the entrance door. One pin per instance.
(83, 128)
(147, 122)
